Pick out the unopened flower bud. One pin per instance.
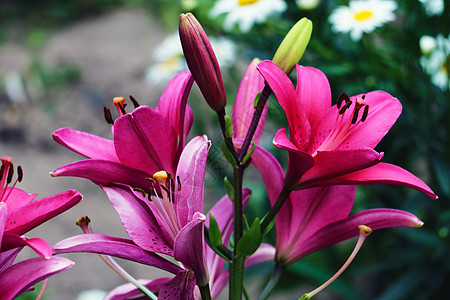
(293, 46)
(202, 61)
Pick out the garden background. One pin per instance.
(61, 62)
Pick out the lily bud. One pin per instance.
(202, 61)
(293, 46)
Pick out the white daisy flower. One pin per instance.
(433, 7)
(307, 4)
(246, 13)
(436, 59)
(169, 58)
(362, 16)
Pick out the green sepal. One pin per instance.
(229, 188)
(251, 240)
(249, 154)
(255, 103)
(215, 236)
(228, 155)
(305, 297)
(228, 127)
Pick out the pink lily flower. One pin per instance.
(145, 141)
(18, 215)
(333, 145)
(314, 218)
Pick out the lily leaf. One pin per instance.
(215, 236)
(251, 240)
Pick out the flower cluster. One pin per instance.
(153, 173)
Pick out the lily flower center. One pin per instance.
(347, 120)
(166, 210)
(6, 177)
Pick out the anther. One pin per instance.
(165, 189)
(355, 116)
(122, 108)
(345, 107)
(108, 116)
(136, 189)
(83, 221)
(340, 99)
(10, 174)
(19, 173)
(365, 113)
(179, 183)
(133, 100)
(2, 170)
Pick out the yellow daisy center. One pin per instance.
(363, 15)
(247, 2)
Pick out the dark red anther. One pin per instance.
(108, 116)
(122, 108)
(10, 174)
(363, 97)
(340, 99)
(136, 189)
(179, 183)
(345, 107)
(2, 170)
(19, 173)
(355, 116)
(365, 113)
(134, 101)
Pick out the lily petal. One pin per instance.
(3, 216)
(129, 291)
(189, 248)
(18, 278)
(313, 84)
(27, 217)
(86, 144)
(191, 173)
(103, 172)
(40, 246)
(180, 287)
(113, 246)
(348, 228)
(243, 108)
(137, 219)
(281, 85)
(145, 140)
(17, 198)
(386, 174)
(329, 164)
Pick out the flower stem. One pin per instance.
(205, 292)
(228, 141)
(274, 278)
(284, 194)
(255, 120)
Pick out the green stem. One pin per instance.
(228, 140)
(255, 120)
(276, 275)
(237, 264)
(284, 194)
(205, 292)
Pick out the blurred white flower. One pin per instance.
(307, 4)
(436, 60)
(246, 13)
(169, 58)
(91, 295)
(433, 7)
(362, 16)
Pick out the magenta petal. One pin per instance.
(145, 140)
(348, 228)
(329, 164)
(18, 278)
(173, 104)
(386, 174)
(129, 291)
(137, 218)
(180, 287)
(189, 248)
(281, 85)
(191, 173)
(3, 216)
(86, 144)
(42, 247)
(103, 172)
(27, 217)
(243, 108)
(313, 92)
(17, 198)
(113, 246)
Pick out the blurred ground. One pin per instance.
(112, 53)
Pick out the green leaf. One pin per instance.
(229, 188)
(247, 156)
(228, 155)
(269, 227)
(255, 103)
(228, 127)
(251, 240)
(215, 236)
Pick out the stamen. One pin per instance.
(345, 107)
(343, 96)
(166, 189)
(19, 173)
(119, 103)
(355, 116)
(365, 113)
(136, 189)
(364, 231)
(108, 116)
(179, 183)
(2, 170)
(83, 223)
(133, 100)
(10, 174)
(161, 177)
